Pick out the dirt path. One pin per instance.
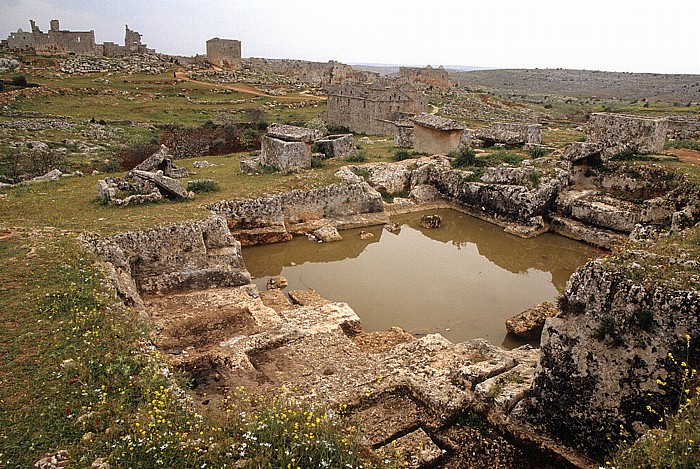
(686, 155)
(248, 89)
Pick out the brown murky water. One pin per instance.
(462, 280)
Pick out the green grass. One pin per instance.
(78, 374)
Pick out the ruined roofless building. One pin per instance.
(225, 53)
(53, 42)
(429, 76)
(373, 108)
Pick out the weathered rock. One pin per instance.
(202, 164)
(193, 255)
(366, 235)
(51, 176)
(577, 151)
(169, 187)
(506, 390)
(529, 323)
(252, 165)
(386, 178)
(277, 283)
(327, 234)
(403, 137)
(162, 161)
(596, 236)
(392, 227)
(606, 212)
(307, 298)
(617, 132)
(509, 175)
(602, 356)
(431, 221)
(57, 460)
(335, 146)
(347, 176)
(424, 194)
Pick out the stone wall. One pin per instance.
(334, 146)
(605, 354)
(311, 73)
(509, 133)
(428, 76)
(225, 53)
(267, 219)
(194, 255)
(374, 107)
(682, 128)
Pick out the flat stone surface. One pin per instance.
(417, 449)
(307, 298)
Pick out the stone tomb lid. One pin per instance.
(437, 122)
(291, 133)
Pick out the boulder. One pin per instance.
(327, 234)
(529, 323)
(53, 175)
(277, 283)
(386, 178)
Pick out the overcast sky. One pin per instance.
(612, 35)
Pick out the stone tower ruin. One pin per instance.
(225, 53)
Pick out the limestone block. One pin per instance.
(529, 323)
(168, 186)
(285, 156)
(335, 146)
(327, 234)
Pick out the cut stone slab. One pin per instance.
(276, 299)
(169, 186)
(390, 416)
(506, 390)
(335, 146)
(529, 323)
(162, 160)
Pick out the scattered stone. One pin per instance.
(202, 164)
(162, 161)
(57, 460)
(51, 176)
(100, 463)
(431, 221)
(277, 283)
(529, 323)
(252, 165)
(327, 234)
(366, 235)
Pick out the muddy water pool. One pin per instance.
(462, 280)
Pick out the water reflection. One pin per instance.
(462, 280)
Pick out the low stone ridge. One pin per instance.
(529, 323)
(386, 178)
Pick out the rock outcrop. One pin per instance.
(615, 355)
(529, 323)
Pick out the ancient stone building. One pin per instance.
(58, 42)
(53, 42)
(430, 76)
(436, 135)
(225, 53)
(373, 108)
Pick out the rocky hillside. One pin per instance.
(585, 83)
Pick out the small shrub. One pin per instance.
(608, 328)
(538, 152)
(685, 144)
(19, 80)
(363, 173)
(401, 155)
(502, 156)
(317, 124)
(357, 156)
(134, 156)
(2, 86)
(203, 185)
(465, 157)
(535, 179)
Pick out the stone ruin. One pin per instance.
(62, 42)
(429, 76)
(436, 135)
(289, 148)
(372, 108)
(150, 181)
(225, 53)
(508, 133)
(610, 134)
